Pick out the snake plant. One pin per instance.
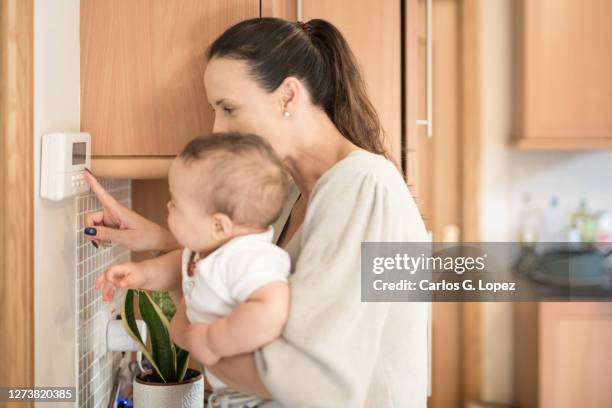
(168, 360)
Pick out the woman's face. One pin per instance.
(242, 105)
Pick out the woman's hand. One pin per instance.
(117, 223)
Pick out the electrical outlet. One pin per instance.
(118, 340)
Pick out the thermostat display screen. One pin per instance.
(78, 153)
(63, 158)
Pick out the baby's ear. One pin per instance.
(222, 225)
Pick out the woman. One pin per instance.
(298, 86)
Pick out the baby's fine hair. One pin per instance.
(243, 177)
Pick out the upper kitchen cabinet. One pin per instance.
(563, 66)
(373, 31)
(142, 65)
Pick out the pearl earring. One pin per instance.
(286, 114)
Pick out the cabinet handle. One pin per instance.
(429, 56)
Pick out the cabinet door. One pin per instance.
(576, 360)
(142, 66)
(564, 61)
(433, 163)
(372, 30)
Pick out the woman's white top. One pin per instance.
(227, 276)
(337, 351)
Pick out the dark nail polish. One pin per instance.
(90, 231)
(94, 244)
(89, 171)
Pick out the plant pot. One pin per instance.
(186, 394)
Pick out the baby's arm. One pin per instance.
(159, 274)
(164, 274)
(251, 325)
(180, 332)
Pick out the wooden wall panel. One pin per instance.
(149, 199)
(16, 195)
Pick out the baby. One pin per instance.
(226, 191)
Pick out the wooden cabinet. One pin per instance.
(142, 94)
(563, 84)
(563, 356)
(373, 31)
(142, 65)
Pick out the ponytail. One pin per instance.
(316, 53)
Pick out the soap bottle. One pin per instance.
(604, 227)
(530, 223)
(554, 231)
(585, 223)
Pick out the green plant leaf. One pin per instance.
(129, 324)
(182, 361)
(164, 301)
(164, 352)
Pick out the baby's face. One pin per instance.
(187, 218)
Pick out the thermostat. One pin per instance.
(64, 157)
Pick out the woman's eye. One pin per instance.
(228, 111)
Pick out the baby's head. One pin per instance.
(222, 186)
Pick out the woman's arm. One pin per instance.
(239, 372)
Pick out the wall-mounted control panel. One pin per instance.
(64, 157)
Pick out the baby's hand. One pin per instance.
(126, 275)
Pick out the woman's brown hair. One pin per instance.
(317, 54)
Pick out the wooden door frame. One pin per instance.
(16, 189)
(470, 91)
(470, 360)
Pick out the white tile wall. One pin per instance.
(96, 368)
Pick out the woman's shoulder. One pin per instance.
(366, 194)
(362, 167)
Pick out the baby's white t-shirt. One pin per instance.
(227, 276)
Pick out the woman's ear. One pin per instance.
(221, 226)
(290, 94)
